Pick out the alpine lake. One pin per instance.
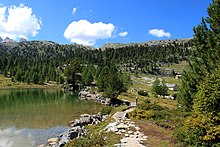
(29, 117)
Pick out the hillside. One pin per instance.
(38, 61)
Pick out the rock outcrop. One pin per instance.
(77, 129)
(8, 40)
(85, 94)
(22, 40)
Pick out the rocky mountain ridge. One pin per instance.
(148, 43)
(10, 43)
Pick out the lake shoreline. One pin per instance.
(30, 87)
(8, 83)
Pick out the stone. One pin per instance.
(136, 133)
(84, 115)
(42, 145)
(123, 140)
(53, 140)
(131, 125)
(123, 131)
(73, 134)
(85, 120)
(137, 128)
(52, 143)
(118, 133)
(122, 126)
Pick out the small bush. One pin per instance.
(164, 114)
(143, 93)
(91, 140)
(147, 105)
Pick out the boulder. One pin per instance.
(73, 134)
(76, 122)
(85, 120)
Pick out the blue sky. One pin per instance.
(95, 22)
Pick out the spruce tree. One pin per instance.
(71, 72)
(114, 85)
(102, 78)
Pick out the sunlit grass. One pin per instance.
(6, 82)
(178, 67)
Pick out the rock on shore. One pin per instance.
(86, 95)
(77, 129)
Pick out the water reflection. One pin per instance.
(41, 108)
(12, 137)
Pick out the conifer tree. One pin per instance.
(71, 70)
(102, 79)
(159, 88)
(202, 127)
(205, 57)
(114, 85)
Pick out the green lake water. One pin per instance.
(29, 117)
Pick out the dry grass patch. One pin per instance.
(157, 136)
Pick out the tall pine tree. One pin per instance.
(205, 58)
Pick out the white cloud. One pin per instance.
(123, 34)
(86, 33)
(74, 11)
(159, 33)
(18, 21)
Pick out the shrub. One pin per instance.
(147, 105)
(159, 88)
(91, 140)
(143, 93)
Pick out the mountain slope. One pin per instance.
(38, 61)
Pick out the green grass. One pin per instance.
(141, 84)
(177, 67)
(6, 82)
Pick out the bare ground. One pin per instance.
(157, 135)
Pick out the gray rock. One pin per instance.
(78, 129)
(22, 40)
(73, 134)
(8, 40)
